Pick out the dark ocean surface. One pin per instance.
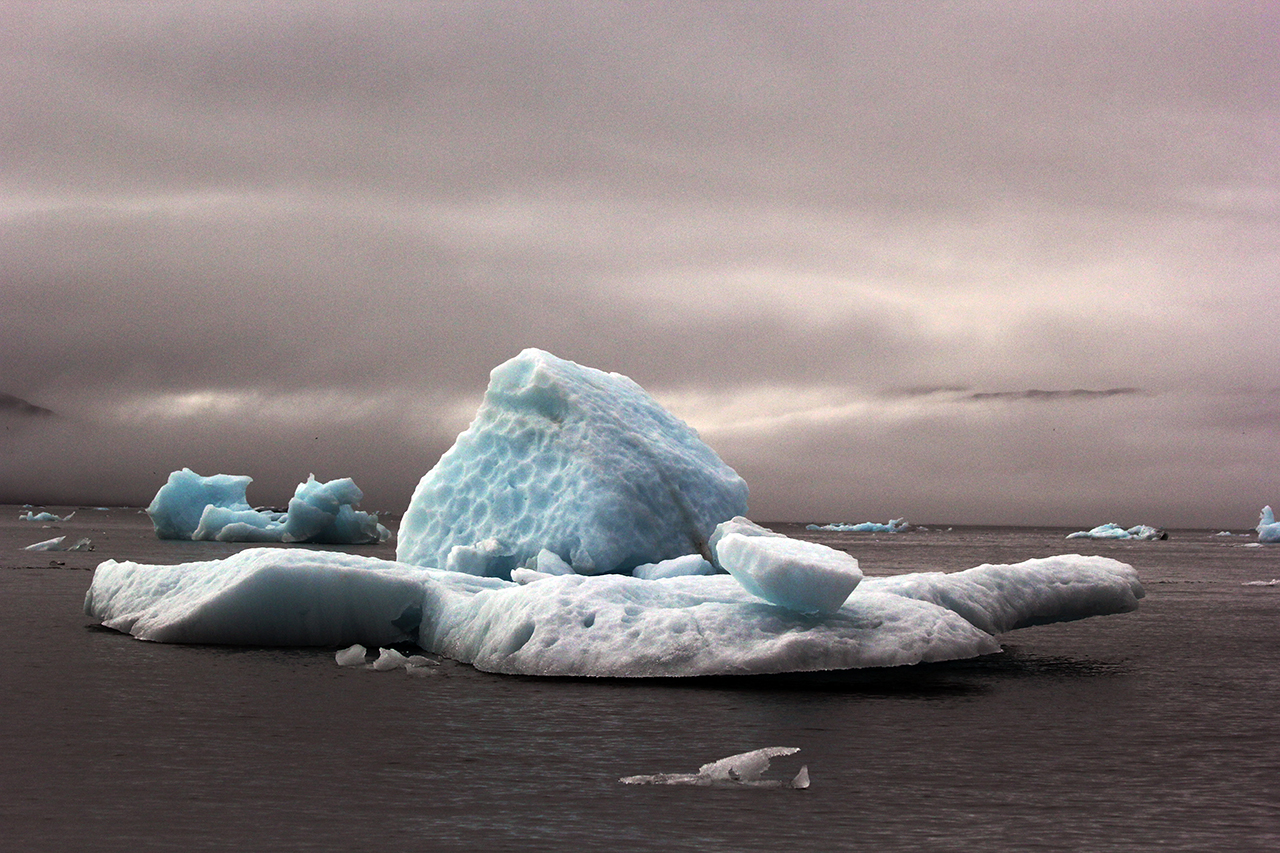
(1154, 730)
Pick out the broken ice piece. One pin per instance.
(351, 656)
(745, 768)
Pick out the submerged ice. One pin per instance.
(215, 508)
(574, 529)
(746, 768)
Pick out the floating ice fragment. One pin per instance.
(582, 463)
(45, 516)
(743, 769)
(806, 577)
(389, 659)
(1272, 582)
(58, 543)
(351, 656)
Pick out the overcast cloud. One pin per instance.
(989, 262)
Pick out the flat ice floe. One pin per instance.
(605, 625)
(746, 768)
(1111, 530)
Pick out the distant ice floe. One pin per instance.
(1115, 531)
(190, 506)
(572, 531)
(1272, 582)
(746, 769)
(44, 516)
(895, 525)
(1268, 528)
(59, 543)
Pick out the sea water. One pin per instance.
(1154, 730)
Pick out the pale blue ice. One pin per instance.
(1268, 528)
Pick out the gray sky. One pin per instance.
(989, 262)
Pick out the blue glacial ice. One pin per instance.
(895, 525)
(572, 460)
(603, 625)
(607, 514)
(1268, 528)
(214, 508)
(1111, 530)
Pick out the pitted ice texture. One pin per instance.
(572, 460)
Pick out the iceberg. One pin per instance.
(603, 625)
(1114, 531)
(746, 768)
(214, 508)
(895, 525)
(44, 516)
(59, 543)
(572, 460)
(1268, 528)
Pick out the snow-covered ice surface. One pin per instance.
(1268, 528)
(215, 508)
(746, 768)
(1110, 530)
(575, 461)
(606, 625)
(895, 525)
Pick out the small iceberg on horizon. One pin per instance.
(44, 516)
(1268, 528)
(1111, 530)
(745, 768)
(895, 525)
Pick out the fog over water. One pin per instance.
(968, 263)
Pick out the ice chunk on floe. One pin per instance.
(1268, 528)
(574, 460)
(746, 768)
(190, 506)
(608, 625)
(807, 577)
(59, 543)
(1110, 530)
(895, 525)
(689, 564)
(351, 656)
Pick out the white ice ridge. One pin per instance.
(895, 525)
(746, 768)
(1268, 528)
(190, 506)
(1111, 530)
(574, 461)
(606, 625)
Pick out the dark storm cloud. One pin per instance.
(771, 214)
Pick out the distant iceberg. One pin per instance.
(1115, 531)
(214, 508)
(571, 460)
(895, 525)
(1268, 528)
(44, 516)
